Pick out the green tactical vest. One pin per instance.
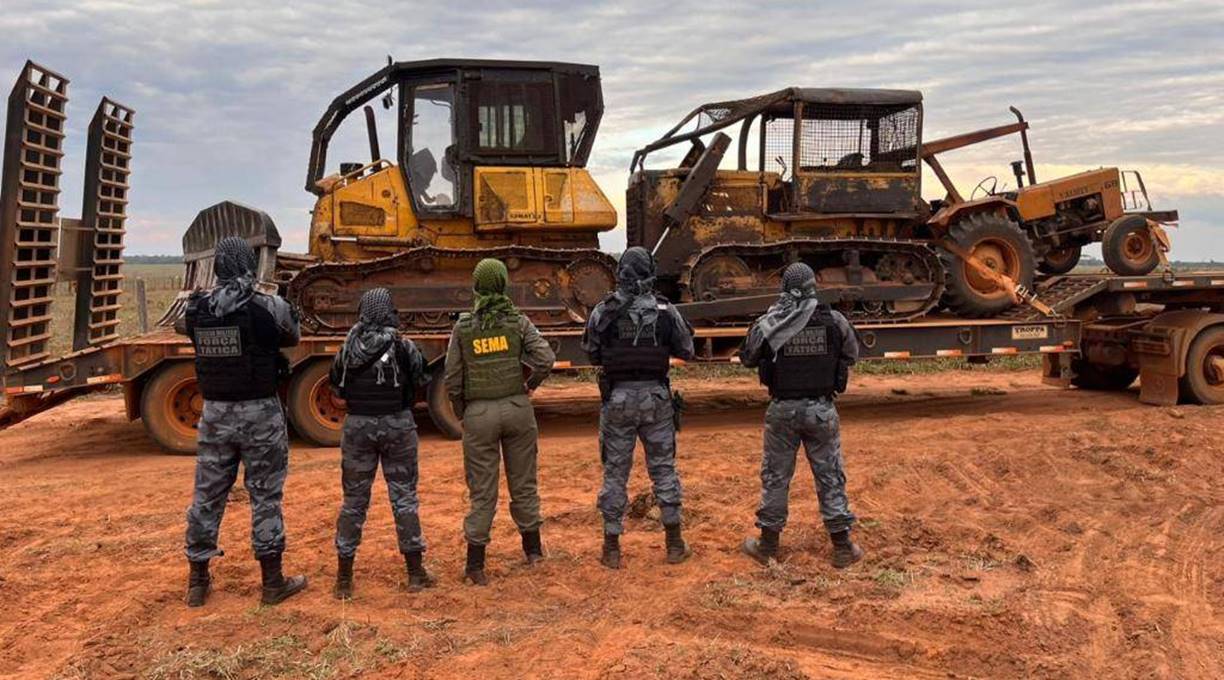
(492, 361)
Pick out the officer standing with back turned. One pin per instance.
(377, 372)
(237, 333)
(803, 350)
(632, 335)
(488, 350)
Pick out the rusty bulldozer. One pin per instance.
(837, 184)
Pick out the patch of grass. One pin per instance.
(892, 579)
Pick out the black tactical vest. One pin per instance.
(636, 354)
(363, 394)
(237, 355)
(809, 365)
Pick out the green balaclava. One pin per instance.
(489, 283)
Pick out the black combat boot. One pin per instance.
(845, 552)
(531, 546)
(418, 578)
(344, 579)
(677, 550)
(611, 551)
(277, 588)
(474, 571)
(763, 549)
(199, 584)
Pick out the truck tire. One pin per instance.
(1000, 243)
(170, 406)
(1128, 247)
(1101, 377)
(1203, 382)
(1061, 260)
(440, 410)
(316, 413)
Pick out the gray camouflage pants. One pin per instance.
(815, 424)
(365, 442)
(637, 410)
(253, 433)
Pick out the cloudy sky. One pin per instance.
(226, 93)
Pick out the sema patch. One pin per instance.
(497, 343)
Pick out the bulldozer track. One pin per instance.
(863, 307)
(566, 304)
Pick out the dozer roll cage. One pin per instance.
(795, 103)
(505, 112)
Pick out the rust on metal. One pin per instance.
(29, 214)
(108, 159)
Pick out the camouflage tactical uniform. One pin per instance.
(810, 420)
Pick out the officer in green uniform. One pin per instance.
(484, 379)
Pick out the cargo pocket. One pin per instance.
(660, 405)
(614, 408)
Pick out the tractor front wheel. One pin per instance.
(1128, 246)
(996, 242)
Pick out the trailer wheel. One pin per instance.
(1128, 246)
(1101, 377)
(1060, 261)
(1203, 382)
(171, 405)
(996, 242)
(440, 410)
(316, 412)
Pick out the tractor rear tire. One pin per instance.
(1061, 260)
(1000, 243)
(1203, 382)
(316, 413)
(440, 410)
(170, 406)
(1101, 377)
(1128, 247)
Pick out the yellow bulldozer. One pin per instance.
(489, 161)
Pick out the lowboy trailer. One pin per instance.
(1167, 330)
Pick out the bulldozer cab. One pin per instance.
(457, 118)
(819, 150)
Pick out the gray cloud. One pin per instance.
(227, 92)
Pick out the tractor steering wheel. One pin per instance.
(994, 184)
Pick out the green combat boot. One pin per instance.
(474, 571)
(277, 588)
(845, 552)
(763, 549)
(199, 584)
(344, 579)
(532, 549)
(677, 550)
(611, 557)
(418, 578)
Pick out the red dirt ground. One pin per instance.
(1011, 530)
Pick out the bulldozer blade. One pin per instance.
(29, 212)
(200, 241)
(99, 279)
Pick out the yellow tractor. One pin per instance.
(488, 162)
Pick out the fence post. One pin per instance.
(142, 306)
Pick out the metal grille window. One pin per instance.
(858, 139)
(515, 117)
(779, 146)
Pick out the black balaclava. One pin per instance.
(368, 340)
(234, 264)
